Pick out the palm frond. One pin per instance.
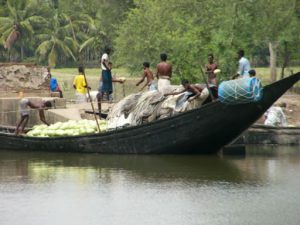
(26, 28)
(87, 43)
(12, 10)
(36, 20)
(6, 21)
(44, 48)
(66, 50)
(72, 43)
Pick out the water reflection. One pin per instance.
(47, 167)
(57, 188)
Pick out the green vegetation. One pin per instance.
(65, 33)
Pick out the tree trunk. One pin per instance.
(286, 58)
(22, 52)
(273, 59)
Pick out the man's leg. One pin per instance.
(21, 125)
(24, 124)
(18, 126)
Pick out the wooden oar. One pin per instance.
(88, 91)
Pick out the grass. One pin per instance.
(263, 73)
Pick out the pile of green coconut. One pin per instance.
(69, 128)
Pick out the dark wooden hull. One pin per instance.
(203, 130)
(260, 134)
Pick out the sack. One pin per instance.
(240, 91)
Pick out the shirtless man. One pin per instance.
(210, 68)
(194, 89)
(164, 74)
(150, 78)
(24, 111)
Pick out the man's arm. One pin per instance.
(105, 63)
(175, 93)
(195, 90)
(41, 111)
(42, 117)
(74, 83)
(142, 80)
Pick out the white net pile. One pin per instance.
(149, 106)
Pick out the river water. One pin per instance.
(262, 187)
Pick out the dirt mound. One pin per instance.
(23, 78)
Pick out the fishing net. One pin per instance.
(240, 91)
(149, 106)
(124, 106)
(146, 106)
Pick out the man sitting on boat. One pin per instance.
(196, 95)
(275, 116)
(24, 106)
(164, 74)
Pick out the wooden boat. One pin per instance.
(261, 134)
(203, 130)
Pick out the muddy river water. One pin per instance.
(262, 187)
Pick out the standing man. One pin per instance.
(105, 86)
(244, 65)
(210, 68)
(80, 86)
(149, 76)
(164, 74)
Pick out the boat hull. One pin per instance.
(199, 131)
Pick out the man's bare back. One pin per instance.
(149, 75)
(164, 69)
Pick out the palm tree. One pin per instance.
(22, 17)
(67, 32)
(56, 41)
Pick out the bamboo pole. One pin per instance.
(88, 91)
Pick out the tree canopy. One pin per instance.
(68, 33)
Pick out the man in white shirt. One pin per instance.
(244, 66)
(275, 116)
(106, 80)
